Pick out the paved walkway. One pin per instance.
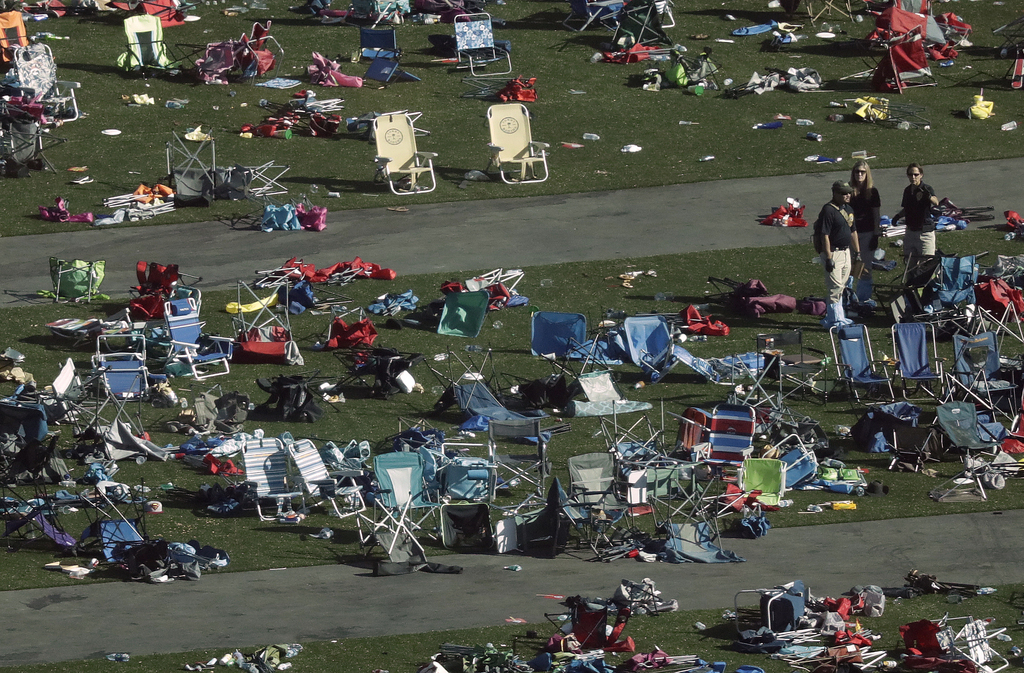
(248, 609)
(477, 235)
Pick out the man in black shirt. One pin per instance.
(839, 249)
(918, 199)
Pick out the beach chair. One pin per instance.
(766, 475)
(513, 149)
(474, 43)
(374, 44)
(585, 13)
(855, 361)
(35, 73)
(340, 492)
(399, 163)
(728, 434)
(266, 469)
(204, 355)
(146, 48)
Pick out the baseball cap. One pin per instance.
(842, 187)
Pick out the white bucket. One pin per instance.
(405, 381)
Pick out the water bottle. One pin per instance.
(514, 568)
(785, 503)
(700, 626)
(591, 136)
(685, 123)
(292, 650)
(118, 656)
(710, 157)
(232, 94)
(836, 118)
(814, 136)
(698, 337)
(1014, 651)
(836, 104)
(314, 188)
(1009, 126)
(497, 324)
(473, 348)
(903, 126)
(263, 102)
(985, 591)
(804, 122)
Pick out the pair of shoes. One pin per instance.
(82, 181)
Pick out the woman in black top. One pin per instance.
(866, 206)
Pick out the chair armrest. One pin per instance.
(426, 155)
(539, 145)
(495, 148)
(383, 161)
(68, 85)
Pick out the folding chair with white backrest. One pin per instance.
(398, 159)
(266, 467)
(344, 500)
(401, 504)
(513, 149)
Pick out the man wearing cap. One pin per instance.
(839, 249)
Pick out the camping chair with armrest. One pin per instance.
(258, 53)
(401, 504)
(594, 495)
(766, 475)
(397, 158)
(904, 64)
(266, 468)
(146, 48)
(12, 34)
(978, 374)
(23, 143)
(513, 149)
(474, 43)
(958, 422)
(913, 361)
(204, 355)
(585, 13)
(76, 280)
(855, 361)
(124, 378)
(800, 369)
(338, 491)
(515, 468)
(650, 345)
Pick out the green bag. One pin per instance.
(677, 75)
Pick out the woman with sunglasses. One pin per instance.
(918, 199)
(866, 206)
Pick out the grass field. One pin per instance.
(613, 106)
(588, 288)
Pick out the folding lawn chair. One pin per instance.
(554, 334)
(513, 150)
(905, 64)
(34, 74)
(146, 48)
(340, 491)
(880, 110)
(77, 280)
(204, 355)
(401, 504)
(125, 379)
(592, 12)
(115, 536)
(640, 23)
(729, 435)
(764, 476)
(466, 526)
(801, 369)
(384, 70)
(913, 360)
(515, 468)
(258, 53)
(978, 374)
(464, 313)
(650, 345)
(855, 361)
(594, 497)
(603, 397)
(266, 468)
(588, 622)
(23, 145)
(12, 34)
(397, 155)
(474, 43)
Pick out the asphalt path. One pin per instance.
(245, 610)
(481, 235)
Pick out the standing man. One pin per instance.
(839, 249)
(918, 199)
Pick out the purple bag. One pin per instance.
(313, 218)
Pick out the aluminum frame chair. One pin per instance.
(913, 360)
(855, 360)
(402, 504)
(516, 468)
(266, 468)
(976, 374)
(124, 379)
(206, 355)
(474, 44)
(36, 74)
(323, 488)
(397, 155)
(513, 149)
(146, 47)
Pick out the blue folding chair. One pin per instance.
(557, 334)
(650, 345)
(855, 361)
(913, 362)
(379, 44)
(204, 356)
(977, 373)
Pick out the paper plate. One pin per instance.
(825, 36)
(111, 132)
(190, 18)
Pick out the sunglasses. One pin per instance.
(914, 175)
